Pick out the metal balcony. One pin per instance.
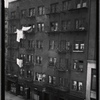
(28, 63)
(61, 67)
(30, 49)
(62, 51)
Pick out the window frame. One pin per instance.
(77, 64)
(79, 44)
(38, 60)
(51, 44)
(32, 12)
(53, 61)
(23, 14)
(39, 44)
(42, 12)
(54, 26)
(13, 14)
(76, 88)
(92, 79)
(66, 7)
(29, 75)
(53, 7)
(40, 27)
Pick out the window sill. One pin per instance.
(51, 66)
(76, 91)
(31, 16)
(38, 65)
(76, 9)
(75, 70)
(78, 51)
(53, 13)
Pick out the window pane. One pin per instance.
(76, 46)
(51, 44)
(75, 66)
(39, 27)
(76, 24)
(80, 86)
(42, 27)
(30, 12)
(65, 5)
(74, 85)
(78, 4)
(55, 59)
(50, 79)
(84, 3)
(64, 27)
(54, 80)
(67, 45)
(40, 10)
(43, 10)
(43, 77)
(93, 80)
(82, 46)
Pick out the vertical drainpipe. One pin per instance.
(89, 63)
(88, 32)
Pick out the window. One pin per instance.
(43, 77)
(93, 80)
(52, 80)
(52, 61)
(66, 25)
(78, 65)
(80, 86)
(38, 60)
(29, 58)
(22, 72)
(63, 63)
(21, 88)
(28, 74)
(13, 28)
(23, 13)
(39, 44)
(51, 44)
(80, 24)
(40, 27)
(54, 26)
(79, 45)
(77, 86)
(84, 3)
(21, 56)
(65, 5)
(13, 14)
(64, 45)
(33, 26)
(40, 77)
(81, 4)
(78, 4)
(41, 10)
(32, 12)
(62, 81)
(21, 43)
(67, 45)
(74, 85)
(54, 8)
(30, 43)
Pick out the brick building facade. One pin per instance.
(58, 53)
